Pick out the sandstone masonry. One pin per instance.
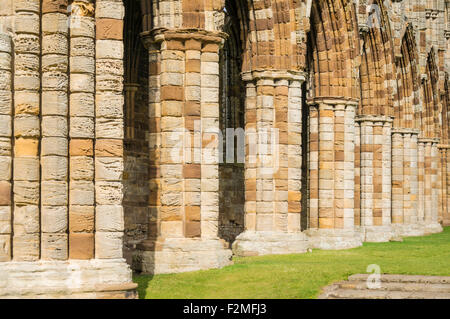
(164, 136)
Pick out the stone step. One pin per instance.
(397, 286)
(391, 287)
(380, 294)
(405, 278)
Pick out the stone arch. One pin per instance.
(377, 65)
(333, 49)
(407, 101)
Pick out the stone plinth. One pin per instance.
(377, 234)
(334, 239)
(67, 279)
(176, 255)
(257, 243)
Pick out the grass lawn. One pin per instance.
(302, 275)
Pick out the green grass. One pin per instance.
(302, 275)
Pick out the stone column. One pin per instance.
(336, 172)
(184, 153)
(421, 181)
(273, 165)
(434, 226)
(406, 200)
(430, 222)
(414, 178)
(397, 178)
(54, 187)
(27, 131)
(442, 176)
(313, 166)
(376, 184)
(358, 169)
(6, 111)
(109, 131)
(82, 134)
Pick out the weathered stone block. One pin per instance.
(26, 220)
(109, 193)
(5, 168)
(54, 193)
(108, 168)
(81, 219)
(108, 245)
(5, 220)
(26, 169)
(26, 247)
(54, 219)
(54, 146)
(82, 193)
(5, 248)
(109, 218)
(81, 246)
(26, 193)
(54, 168)
(54, 246)
(82, 168)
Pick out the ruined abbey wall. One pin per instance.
(114, 153)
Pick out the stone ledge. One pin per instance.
(253, 243)
(67, 279)
(419, 229)
(433, 228)
(176, 255)
(408, 230)
(334, 239)
(376, 234)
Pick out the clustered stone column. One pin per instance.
(332, 175)
(272, 165)
(63, 110)
(6, 111)
(184, 153)
(428, 185)
(406, 182)
(375, 172)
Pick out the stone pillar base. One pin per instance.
(408, 230)
(176, 255)
(67, 279)
(420, 229)
(376, 234)
(334, 239)
(257, 243)
(433, 228)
